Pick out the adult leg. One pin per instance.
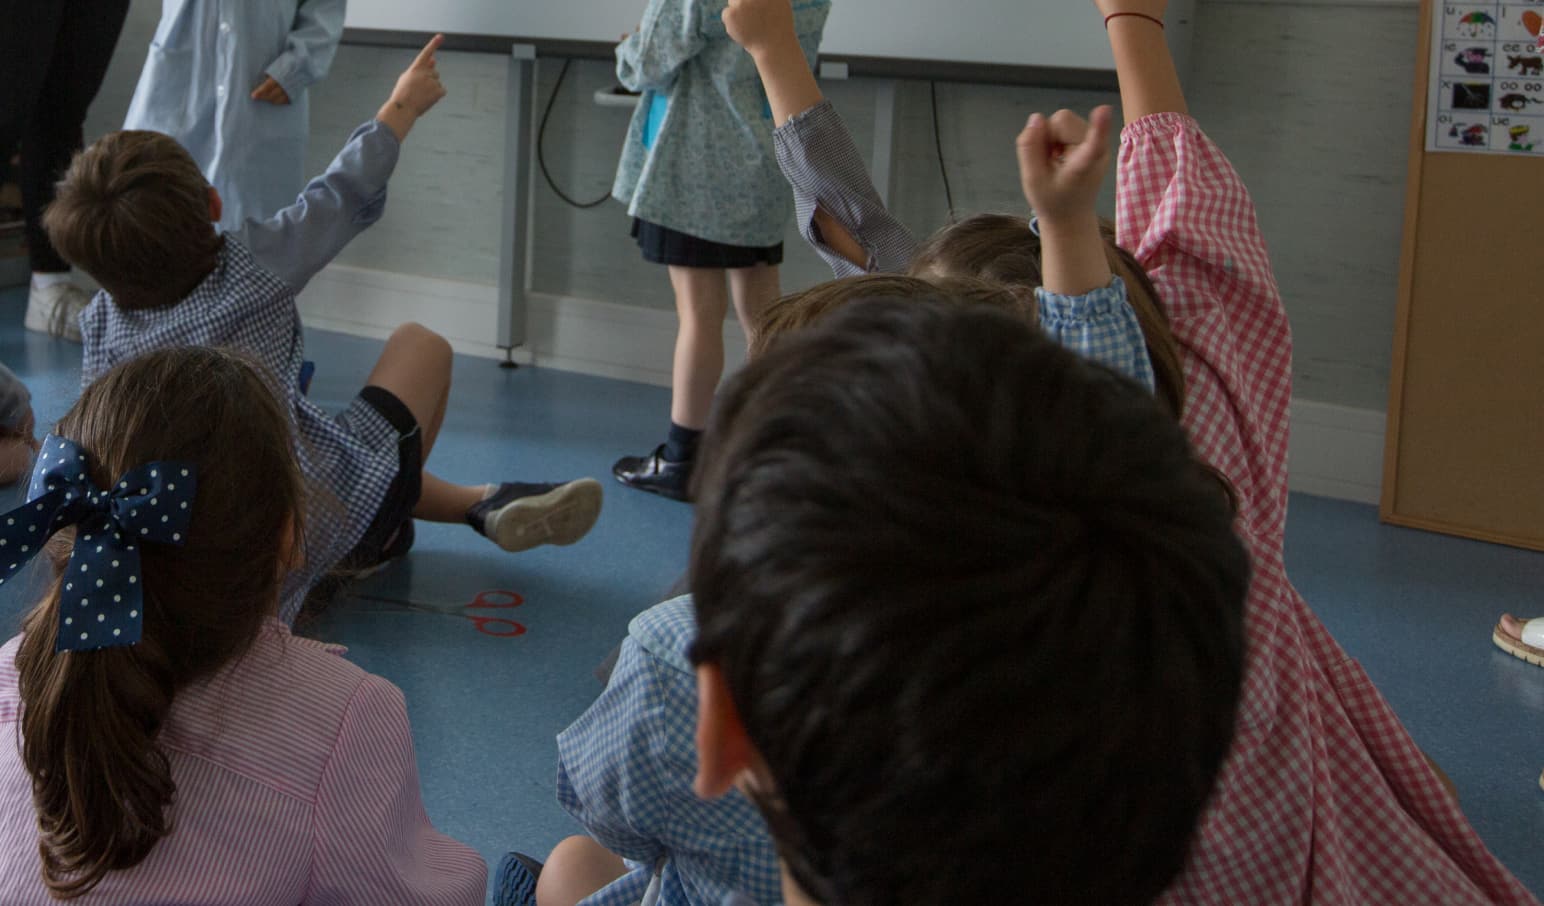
(702, 301)
(83, 45)
(753, 289)
(26, 44)
(577, 868)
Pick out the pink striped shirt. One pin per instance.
(296, 784)
(1325, 799)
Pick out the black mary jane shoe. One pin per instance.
(655, 474)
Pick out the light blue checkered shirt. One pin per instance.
(625, 771)
(819, 159)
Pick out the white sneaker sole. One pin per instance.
(41, 320)
(561, 516)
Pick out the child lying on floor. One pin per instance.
(135, 213)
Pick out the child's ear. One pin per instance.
(724, 750)
(216, 205)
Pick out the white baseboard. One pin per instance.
(1336, 451)
(600, 338)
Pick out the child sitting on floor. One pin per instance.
(625, 767)
(135, 213)
(166, 740)
(952, 665)
(1320, 759)
(874, 579)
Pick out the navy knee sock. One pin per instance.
(681, 443)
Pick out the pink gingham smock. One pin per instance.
(296, 784)
(1324, 799)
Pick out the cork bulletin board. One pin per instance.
(1465, 448)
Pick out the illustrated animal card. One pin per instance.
(1487, 79)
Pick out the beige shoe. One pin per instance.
(1528, 642)
(56, 310)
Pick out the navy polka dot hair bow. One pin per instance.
(100, 603)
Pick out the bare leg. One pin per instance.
(415, 367)
(753, 289)
(577, 868)
(702, 301)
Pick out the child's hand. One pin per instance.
(1154, 8)
(759, 25)
(272, 92)
(418, 90)
(1062, 161)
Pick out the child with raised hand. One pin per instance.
(135, 213)
(842, 217)
(168, 740)
(1324, 782)
(701, 183)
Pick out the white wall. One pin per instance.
(1312, 104)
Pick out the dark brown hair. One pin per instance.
(1003, 249)
(100, 782)
(133, 212)
(978, 607)
(801, 309)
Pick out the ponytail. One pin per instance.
(102, 786)
(100, 783)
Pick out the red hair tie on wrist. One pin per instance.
(1153, 19)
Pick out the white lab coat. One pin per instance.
(205, 60)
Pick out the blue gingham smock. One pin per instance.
(248, 303)
(698, 157)
(625, 771)
(819, 159)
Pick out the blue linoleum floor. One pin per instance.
(1417, 609)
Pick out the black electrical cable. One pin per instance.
(541, 143)
(938, 145)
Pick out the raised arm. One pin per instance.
(312, 43)
(305, 237)
(1149, 83)
(668, 37)
(1062, 161)
(840, 213)
(1185, 214)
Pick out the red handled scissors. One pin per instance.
(495, 625)
(487, 612)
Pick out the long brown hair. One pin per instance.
(1003, 249)
(101, 785)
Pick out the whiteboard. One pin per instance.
(1013, 33)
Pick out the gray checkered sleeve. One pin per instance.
(821, 162)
